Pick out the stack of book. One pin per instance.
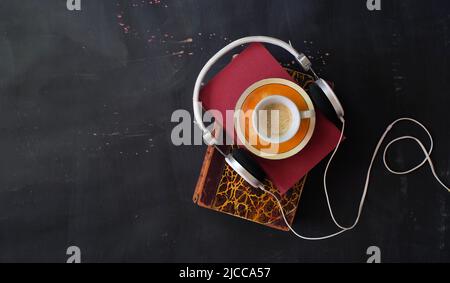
(220, 188)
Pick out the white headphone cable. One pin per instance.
(366, 186)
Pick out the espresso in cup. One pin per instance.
(276, 119)
(281, 117)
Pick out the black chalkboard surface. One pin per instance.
(86, 157)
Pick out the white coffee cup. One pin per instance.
(261, 116)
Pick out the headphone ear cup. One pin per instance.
(322, 103)
(240, 159)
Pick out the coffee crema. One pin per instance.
(278, 120)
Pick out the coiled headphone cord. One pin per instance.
(369, 171)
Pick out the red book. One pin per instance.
(221, 93)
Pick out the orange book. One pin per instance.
(220, 188)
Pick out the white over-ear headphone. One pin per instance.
(244, 165)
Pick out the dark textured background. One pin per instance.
(85, 152)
